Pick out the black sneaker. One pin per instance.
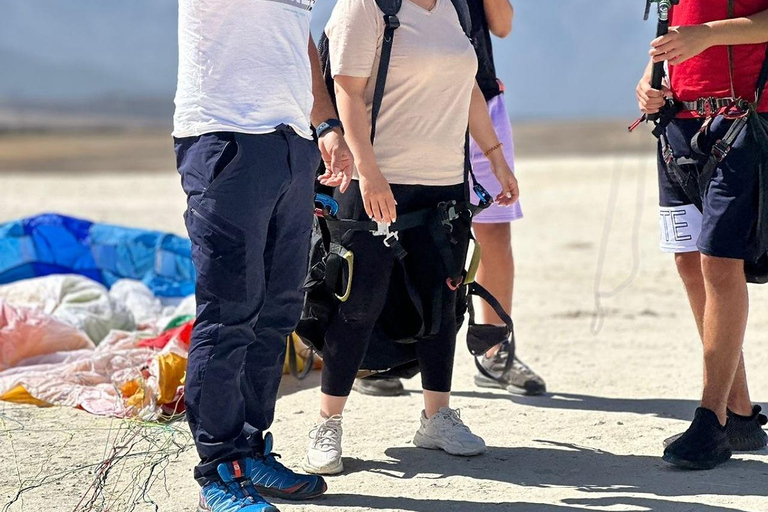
(519, 378)
(703, 446)
(745, 433)
(379, 386)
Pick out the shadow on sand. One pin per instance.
(677, 409)
(559, 465)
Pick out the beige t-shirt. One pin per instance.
(420, 132)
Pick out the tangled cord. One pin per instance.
(598, 315)
(136, 456)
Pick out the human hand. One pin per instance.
(338, 160)
(510, 191)
(680, 44)
(650, 100)
(378, 200)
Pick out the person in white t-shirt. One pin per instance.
(417, 162)
(249, 90)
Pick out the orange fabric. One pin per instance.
(19, 395)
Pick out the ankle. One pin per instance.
(720, 412)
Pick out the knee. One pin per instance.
(494, 237)
(722, 272)
(689, 267)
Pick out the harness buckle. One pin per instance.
(391, 22)
(390, 237)
(666, 154)
(720, 150)
(704, 107)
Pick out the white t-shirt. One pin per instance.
(420, 132)
(243, 66)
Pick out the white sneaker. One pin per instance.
(445, 431)
(324, 450)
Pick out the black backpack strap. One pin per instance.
(462, 9)
(390, 8)
(762, 80)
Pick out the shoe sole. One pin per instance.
(696, 466)
(268, 492)
(326, 471)
(272, 509)
(484, 382)
(743, 445)
(428, 443)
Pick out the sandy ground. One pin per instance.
(592, 444)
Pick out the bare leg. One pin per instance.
(497, 269)
(725, 321)
(331, 405)
(434, 401)
(689, 267)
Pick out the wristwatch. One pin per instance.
(326, 126)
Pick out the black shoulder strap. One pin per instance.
(462, 9)
(390, 8)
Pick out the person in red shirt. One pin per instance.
(714, 51)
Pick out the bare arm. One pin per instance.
(322, 109)
(685, 42)
(499, 14)
(339, 163)
(377, 196)
(482, 130)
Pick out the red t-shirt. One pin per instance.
(707, 74)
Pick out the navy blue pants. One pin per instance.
(249, 215)
(726, 227)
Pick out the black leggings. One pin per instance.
(350, 330)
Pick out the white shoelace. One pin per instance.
(453, 417)
(327, 435)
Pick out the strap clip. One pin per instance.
(720, 150)
(704, 107)
(666, 154)
(391, 22)
(390, 237)
(448, 214)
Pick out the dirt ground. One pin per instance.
(592, 444)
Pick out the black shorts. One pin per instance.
(727, 226)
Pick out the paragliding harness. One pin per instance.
(391, 351)
(743, 116)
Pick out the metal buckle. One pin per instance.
(382, 229)
(704, 107)
(666, 154)
(720, 150)
(392, 22)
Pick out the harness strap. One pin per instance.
(685, 179)
(706, 107)
(391, 23)
(731, 14)
(719, 151)
(501, 334)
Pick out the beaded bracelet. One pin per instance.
(494, 148)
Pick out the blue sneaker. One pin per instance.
(235, 492)
(273, 479)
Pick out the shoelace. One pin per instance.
(242, 492)
(326, 435)
(270, 459)
(454, 418)
(523, 368)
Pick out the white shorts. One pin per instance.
(679, 228)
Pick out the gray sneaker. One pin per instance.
(446, 431)
(518, 378)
